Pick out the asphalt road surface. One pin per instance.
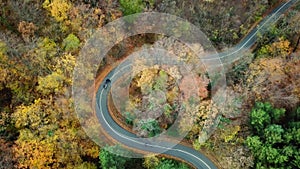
(185, 153)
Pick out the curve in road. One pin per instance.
(185, 153)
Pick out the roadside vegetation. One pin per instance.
(276, 137)
(269, 75)
(40, 41)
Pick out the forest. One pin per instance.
(40, 42)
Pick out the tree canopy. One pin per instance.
(274, 143)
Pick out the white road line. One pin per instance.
(258, 29)
(254, 34)
(166, 148)
(119, 71)
(141, 143)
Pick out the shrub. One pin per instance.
(134, 6)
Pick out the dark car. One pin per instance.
(107, 81)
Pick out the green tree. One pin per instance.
(254, 143)
(129, 117)
(296, 135)
(288, 150)
(134, 6)
(273, 134)
(71, 43)
(150, 126)
(170, 164)
(259, 118)
(275, 144)
(277, 114)
(161, 82)
(166, 164)
(110, 157)
(296, 161)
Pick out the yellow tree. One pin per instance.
(57, 8)
(50, 134)
(151, 162)
(275, 80)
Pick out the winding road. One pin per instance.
(179, 151)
